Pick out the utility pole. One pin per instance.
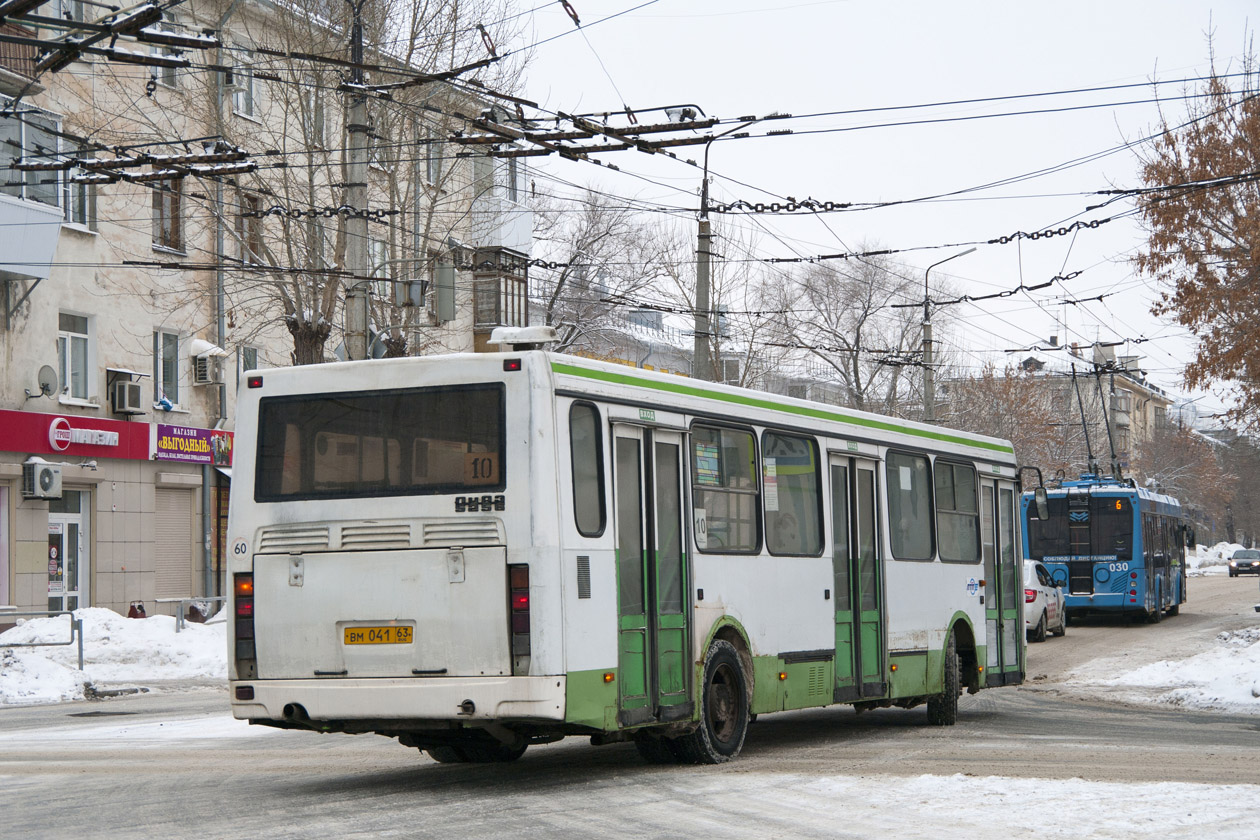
(929, 372)
(356, 329)
(702, 362)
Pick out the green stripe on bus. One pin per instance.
(755, 402)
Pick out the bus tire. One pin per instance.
(1156, 615)
(656, 750)
(447, 755)
(1175, 609)
(494, 752)
(723, 709)
(942, 709)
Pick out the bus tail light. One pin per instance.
(1030, 595)
(243, 617)
(518, 616)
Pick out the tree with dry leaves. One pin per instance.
(1201, 210)
(1036, 410)
(1184, 463)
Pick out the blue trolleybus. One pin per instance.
(1113, 547)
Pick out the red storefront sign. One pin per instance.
(73, 435)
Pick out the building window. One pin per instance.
(165, 76)
(243, 84)
(33, 135)
(168, 223)
(80, 199)
(72, 355)
(378, 258)
(433, 156)
(166, 367)
(314, 123)
(246, 359)
(513, 176)
(910, 506)
(71, 10)
(957, 513)
(249, 230)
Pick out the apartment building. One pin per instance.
(164, 229)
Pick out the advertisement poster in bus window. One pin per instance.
(770, 468)
(708, 464)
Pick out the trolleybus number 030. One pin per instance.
(378, 635)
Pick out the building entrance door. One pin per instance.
(68, 561)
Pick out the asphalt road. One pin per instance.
(172, 764)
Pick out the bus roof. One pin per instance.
(717, 396)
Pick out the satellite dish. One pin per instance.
(47, 380)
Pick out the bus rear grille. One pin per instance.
(376, 536)
(818, 681)
(1119, 584)
(293, 539)
(462, 533)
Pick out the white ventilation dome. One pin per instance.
(523, 338)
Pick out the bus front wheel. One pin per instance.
(723, 709)
(942, 709)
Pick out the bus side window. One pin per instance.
(909, 506)
(725, 489)
(791, 498)
(957, 514)
(586, 455)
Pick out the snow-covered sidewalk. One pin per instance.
(116, 651)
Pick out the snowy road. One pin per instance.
(1061, 757)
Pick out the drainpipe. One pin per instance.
(211, 582)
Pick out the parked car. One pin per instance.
(1043, 603)
(1246, 561)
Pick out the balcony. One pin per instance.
(17, 61)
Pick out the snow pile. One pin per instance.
(965, 807)
(115, 650)
(1225, 678)
(1212, 560)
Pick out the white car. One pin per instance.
(1043, 603)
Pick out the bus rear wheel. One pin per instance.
(942, 709)
(723, 710)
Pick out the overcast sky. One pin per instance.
(756, 57)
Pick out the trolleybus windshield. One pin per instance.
(1103, 528)
(420, 441)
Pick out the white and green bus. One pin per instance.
(479, 552)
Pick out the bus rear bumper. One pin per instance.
(428, 698)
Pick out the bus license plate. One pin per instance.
(378, 635)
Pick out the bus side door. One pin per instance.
(1003, 601)
(653, 630)
(856, 567)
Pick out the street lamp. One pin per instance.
(929, 376)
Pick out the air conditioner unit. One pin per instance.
(125, 398)
(41, 481)
(207, 370)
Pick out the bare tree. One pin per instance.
(610, 258)
(855, 318)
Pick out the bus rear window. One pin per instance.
(421, 441)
